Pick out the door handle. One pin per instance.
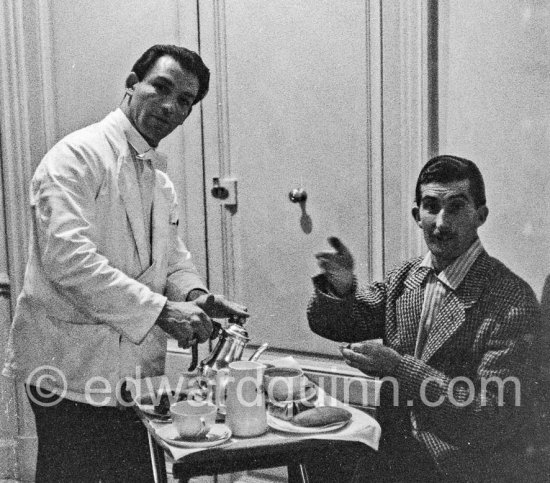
(4, 285)
(225, 190)
(298, 195)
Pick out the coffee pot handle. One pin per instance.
(194, 355)
(195, 346)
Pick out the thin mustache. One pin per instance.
(162, 118)
(444, 234)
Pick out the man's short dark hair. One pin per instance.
(446, 169)
(186, 58)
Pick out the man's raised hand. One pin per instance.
(337, 265)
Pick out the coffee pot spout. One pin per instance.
(259, 352)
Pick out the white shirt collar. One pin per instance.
(141, 147)
(454, 274)
(134, 138)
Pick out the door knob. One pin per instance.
(297, 195)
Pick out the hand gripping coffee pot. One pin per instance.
(229, 348)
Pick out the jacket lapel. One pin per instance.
(452, 313)
(129, 192)
(160, 226)
(409, 309)
(450, 317)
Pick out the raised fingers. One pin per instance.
(343, 255)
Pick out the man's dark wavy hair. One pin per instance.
(446, 169)
(186, 58)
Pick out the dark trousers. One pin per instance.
(78, 442)
(400, 459)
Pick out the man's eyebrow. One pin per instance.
(433, 197)
(171, 83)
(459, 196)
(164, 79)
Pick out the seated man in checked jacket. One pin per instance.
(457, 329)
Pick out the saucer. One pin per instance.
(218, 434)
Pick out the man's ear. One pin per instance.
(482, 214)
(415, 212)
(131, 80)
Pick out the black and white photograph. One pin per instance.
(300, 241)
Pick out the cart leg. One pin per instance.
(297, 473)
(157, 460)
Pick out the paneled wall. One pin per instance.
(495, 109)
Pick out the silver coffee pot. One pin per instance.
(231, 343)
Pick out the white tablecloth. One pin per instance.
(362, 428)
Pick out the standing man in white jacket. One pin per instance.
(108, 277)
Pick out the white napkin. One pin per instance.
(288, 361)
(362, 428)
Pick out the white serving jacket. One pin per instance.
(90, 301)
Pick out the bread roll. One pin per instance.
(321, 416)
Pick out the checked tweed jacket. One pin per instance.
(484, 329)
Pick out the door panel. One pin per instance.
(290, 109)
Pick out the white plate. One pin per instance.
(218, 434)
(288, 427)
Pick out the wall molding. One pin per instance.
(415, 113)
(26, 121)
(222, 223)
(15, 137)
(228, 240)
(375, 230)
(408, 138)
(46, 70)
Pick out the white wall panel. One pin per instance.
(495, 110)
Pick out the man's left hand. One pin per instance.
(217, 306)
(372, 358)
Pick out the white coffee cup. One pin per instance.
(285, 383)
(193, 419)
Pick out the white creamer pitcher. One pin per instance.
(245, 399)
